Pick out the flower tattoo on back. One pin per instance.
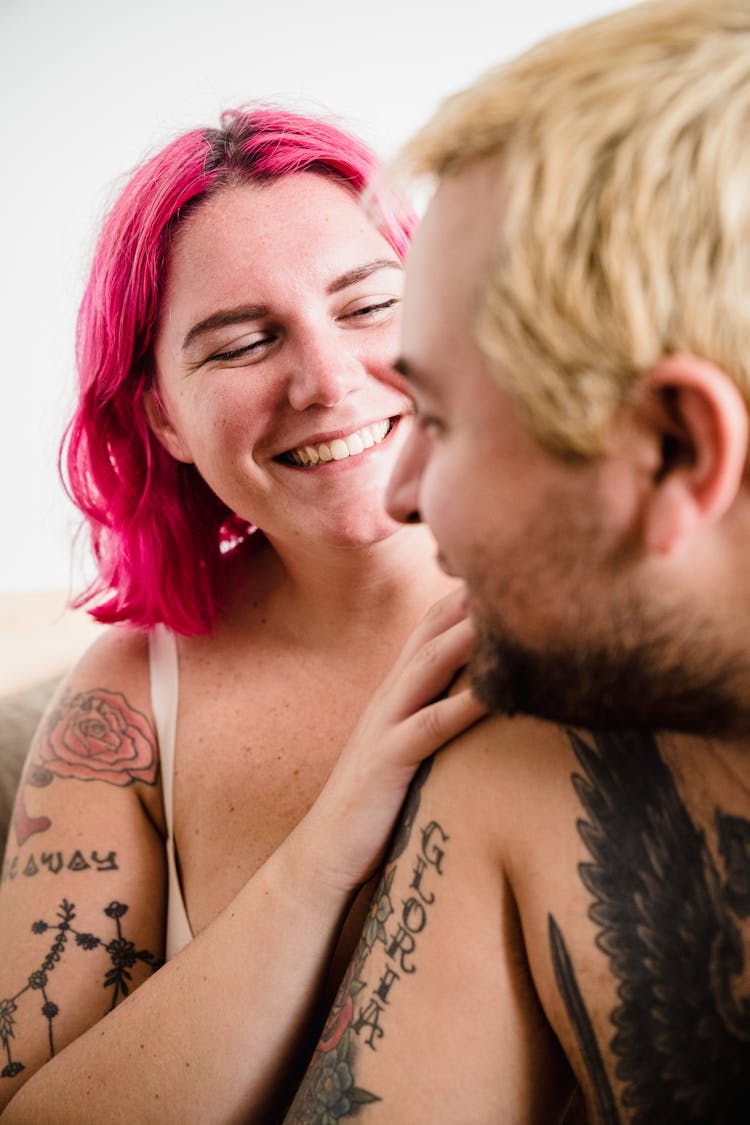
(89, 736)
(123, 956)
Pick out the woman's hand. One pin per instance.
(409, 717)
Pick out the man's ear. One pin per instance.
(701, 424)
(162, 428)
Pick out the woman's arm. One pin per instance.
(82, 899)
(211, 1035)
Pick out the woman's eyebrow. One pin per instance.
(359, 273)
(222, 318)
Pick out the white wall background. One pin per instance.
(88, 87)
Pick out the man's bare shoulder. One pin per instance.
(628, 856)
(438, 1018)
(508, 779)
(553, 886)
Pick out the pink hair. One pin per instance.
(157, 530)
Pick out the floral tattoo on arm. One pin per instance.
(123, 956)
(89, 736)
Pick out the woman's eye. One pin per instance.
(373, 310)
(253, 348)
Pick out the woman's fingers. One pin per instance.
(440, 616)
(432, 668)
(439, 722)
(411, 715)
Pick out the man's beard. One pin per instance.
(665, 676)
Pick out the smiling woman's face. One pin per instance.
(278, 328)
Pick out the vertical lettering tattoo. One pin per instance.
(666, 919)
(328, 1092)
(123, 956)
(89, 736)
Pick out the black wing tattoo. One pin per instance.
(667, 921)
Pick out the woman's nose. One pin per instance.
(324, 373)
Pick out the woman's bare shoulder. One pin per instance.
(119, 652)
(101, 714)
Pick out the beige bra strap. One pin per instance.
(164, 675)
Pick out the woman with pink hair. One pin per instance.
(204, 772)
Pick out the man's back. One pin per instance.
(549, 888)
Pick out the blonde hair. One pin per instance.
(624, 170)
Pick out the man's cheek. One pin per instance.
(446, 509)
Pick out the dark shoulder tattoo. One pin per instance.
(667, 919)
(89, 736)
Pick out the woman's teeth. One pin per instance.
(340, 448)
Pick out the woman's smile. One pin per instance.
(338, 446)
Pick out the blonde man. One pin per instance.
(565, 914)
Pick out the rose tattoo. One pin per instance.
(98, 736)
(90, 736)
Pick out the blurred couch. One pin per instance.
(19, 716)
(40, 639)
